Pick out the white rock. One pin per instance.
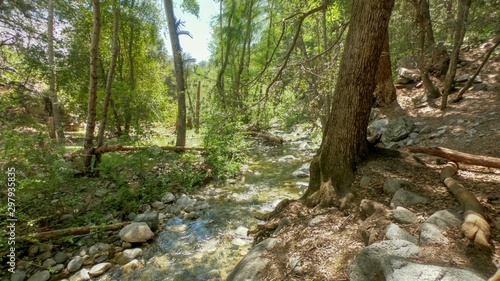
(136, 232)
(100, 269)
(132, 253)
(241, 231)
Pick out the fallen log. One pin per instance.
(458, 156)
(73, 231)
(119, 147)
(475, 226)
(267, 137)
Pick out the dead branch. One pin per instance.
(73, 231)
(458, 156)
(475, 226)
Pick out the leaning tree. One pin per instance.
(344, 139)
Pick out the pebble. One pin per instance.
(75, 264)
(133, 264)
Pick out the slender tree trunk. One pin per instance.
(179, 74)
(460, 28)
(127, 107)
(56, 113)
(344, 141)
(109, 81)
(225, 59)
(197, 110)
(94, 58)
(385, 92)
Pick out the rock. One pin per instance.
(479, 87)
(394, 232)
(168, 198)
(49, 262)
(302, 172)
(432, 231)
(406, 198)
(45, 247)
(241, 231)
(75, 264)
(202, 205)
(393, 185)
(101, 259)
(254, 262)
(403, 215)
(287, 158)
(126, 245)
(43, 275)
(410, 75)
(33, 250)
(67, 217)
(315, 221)
(177, 228)
(377, 126)
(132, 253)
(99, 269)
(173, 209)
(365, 181)
(158, 205)
(397, 129)
(184, 201)
(57, 268)
(44, 256)
(81, 275)
(373, 262)
(426, 129)
(136, 232)
(304, 146)
(133, 264)
(302, 186)
(99, 247)
(19, 275)
(406, 270)
(239, 242)
(131, 216)
(151, 218)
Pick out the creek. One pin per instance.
(209, 247)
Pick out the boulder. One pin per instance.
(432, 230)
(406, 198)
(394, 232)
(403, 215)
(405, 270)
(136, 232)
(397, 129)
(254, 262)
(151, 218)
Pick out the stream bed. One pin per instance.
(210, 247)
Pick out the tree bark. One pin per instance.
(460, 28)
(94, 58)
(344, 140)
(458, 156)
(179, 74)
(56, 113)
(197, 109)
(385, 92)
(127, 111)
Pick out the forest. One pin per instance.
(320, 140)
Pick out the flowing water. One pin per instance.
(209, 248)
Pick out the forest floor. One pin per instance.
(325, 249)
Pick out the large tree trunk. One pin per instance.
(179, 74)
(94, 58)
(344, 141)
(385, 92)
(56, 113)
(460, 27)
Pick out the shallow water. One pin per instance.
(208, 248)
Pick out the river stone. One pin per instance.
(377, 126)
(445, 218)
(254, 262)
(398, 129)
(43, 275)
(365, 181)
(33, 250)
(432, 231)
(132, 253)
(75, 264)
(190, 216)
(136, 232)
(43, 256)
(158, 205)
(287, 158)
(99, 269)
(60, 257)
(57, 268)
(394, 232)
(45, 247)
(202, 205)
(241, 231)
(49, 262)
(184, 201)
(302, 172)
(133, 264)
(19, 275)
(393, 185)
(81, 275)
(406, 270)
(403, 215)
(99, 247)
(168, 198)
(177, 228)
(406, 198)
(239, 242)
(373, 262)
(151, 218)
